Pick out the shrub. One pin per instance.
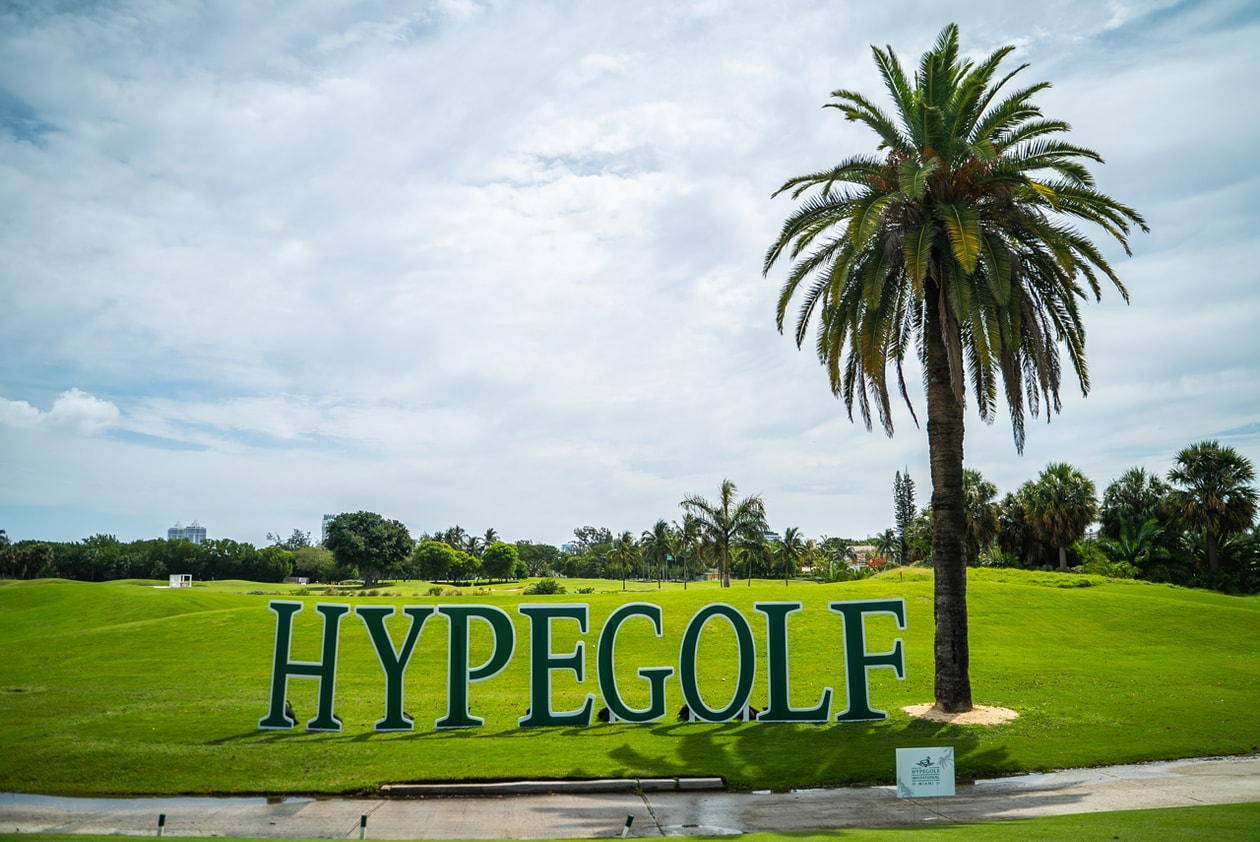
(545, 586)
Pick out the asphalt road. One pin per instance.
(668, 813)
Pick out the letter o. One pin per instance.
(746, 662)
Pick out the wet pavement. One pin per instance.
(567, 814)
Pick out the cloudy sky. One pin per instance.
(498, 264)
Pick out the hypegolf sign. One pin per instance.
(853, 657)
(925, 772)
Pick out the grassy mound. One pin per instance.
(127, 688)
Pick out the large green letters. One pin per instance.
(778, 687)
(460, 674)
(324, 671)
(857, 660)
(543, 662)
(604, 667)
(394, 663)
(746, 665)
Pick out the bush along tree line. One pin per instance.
(1196, 527)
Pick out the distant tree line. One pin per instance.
(1196, 528)
(104, 558)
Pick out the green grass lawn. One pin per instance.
(125, 688)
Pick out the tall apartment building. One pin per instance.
(323, 530)
(195, 533)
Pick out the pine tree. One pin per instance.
(903, 507)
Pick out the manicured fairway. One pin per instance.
(124, 688)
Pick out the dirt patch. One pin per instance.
(978, 715)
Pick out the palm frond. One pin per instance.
(962, 225)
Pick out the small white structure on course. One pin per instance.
(181, 580)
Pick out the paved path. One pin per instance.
(601, 815)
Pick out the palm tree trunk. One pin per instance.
(945, 446)
(1063, 559)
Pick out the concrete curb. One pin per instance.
(548, 786)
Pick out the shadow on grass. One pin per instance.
(746, 755)
(774, 755)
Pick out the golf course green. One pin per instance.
(128, 688)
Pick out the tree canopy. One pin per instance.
(1214, 493)
(368, 542)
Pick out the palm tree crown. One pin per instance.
(728, 523)
(1060, 504)
(658, 545)
(969, 198)
(957, 239)
(1215, 492)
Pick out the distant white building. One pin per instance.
(323, 529)
(195, 533)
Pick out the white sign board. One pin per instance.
(925, 772)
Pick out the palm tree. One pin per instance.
(727, 523)
(887, 544)
(757, 553)
(789, 550)
(688, 545)
(1131, 500)
(1215, 494)
(982, 513)
(1015, 536)
(1060, 504)
(624, 554)
(657, 545)
(956, 239)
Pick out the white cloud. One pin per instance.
(73, 411)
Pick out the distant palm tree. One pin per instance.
(1215, 494)
(624, 554)
(839, 556)
(1131, 500)
(657, 545)
(1060, 504)
(982, 513)
(956, 239)
(758, 553)
(887, 544)
(789, 551)
(1015, 534)
(454, 537)
(688, 533)
(728, 522)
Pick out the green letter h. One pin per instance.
(325, 671)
